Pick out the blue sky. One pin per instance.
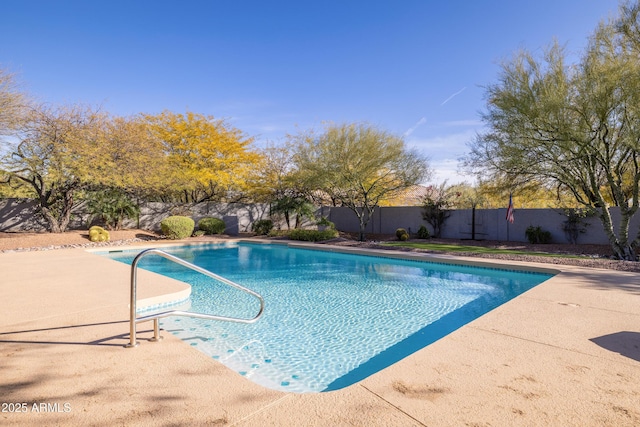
(415, 68)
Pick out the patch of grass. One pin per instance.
(443, 247)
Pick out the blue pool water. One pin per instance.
(330, 319)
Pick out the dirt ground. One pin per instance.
(21, 240)
(593, 256)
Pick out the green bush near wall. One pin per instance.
(537, 235)
(211, 225)
(312, 235)
(262, 227)
(423, 233)
(177, 227)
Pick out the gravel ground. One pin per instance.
(594, 256)
(70, 239)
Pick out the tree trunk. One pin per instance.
(364, 216)
(57, 223)
(622, 248)
(473, 222)
(54, 226)
(363, 226)
(286, 218)
(66, 210)
(362, 221)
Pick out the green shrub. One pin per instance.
(211, 225)
(324, 222)
(198, 233)
(545, 237)
(111, 207)
(98, 234)
(576, 223)
(423, 233)
(537, 235)
(402, 234)
(262, 227)
(278, 233)
(312, 235)
(177, 227)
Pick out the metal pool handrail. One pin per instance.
(133, 319)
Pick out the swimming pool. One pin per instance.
(331, 319)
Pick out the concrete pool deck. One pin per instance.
(564, 353)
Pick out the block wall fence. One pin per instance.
(21, 215)
(490, 224)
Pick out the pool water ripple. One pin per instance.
(330, 319)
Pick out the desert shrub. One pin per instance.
(211, 225)
(278, 233)
(177, 227)
(111, 207)
(437, 205)
(312, 235)
(576, 223)
(423, 233)
(98, 234)
(537, 235)
(402, 234)
(262, 227)
(324, 222)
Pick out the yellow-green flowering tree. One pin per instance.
(130, 158)
(207, 158)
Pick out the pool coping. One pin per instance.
(561, 353)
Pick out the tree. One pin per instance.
(437, 204)
(274, 180)
(629, 24)
(208, 159)
(273, 176)
(469, 197)
(125, 163)
(466, 196)
(52, 153)
(13, 103)
(130, 159)
(358, 165)
(298, 207)
(531, 194)
(111, 207)
(56, 154)
(573, 127)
